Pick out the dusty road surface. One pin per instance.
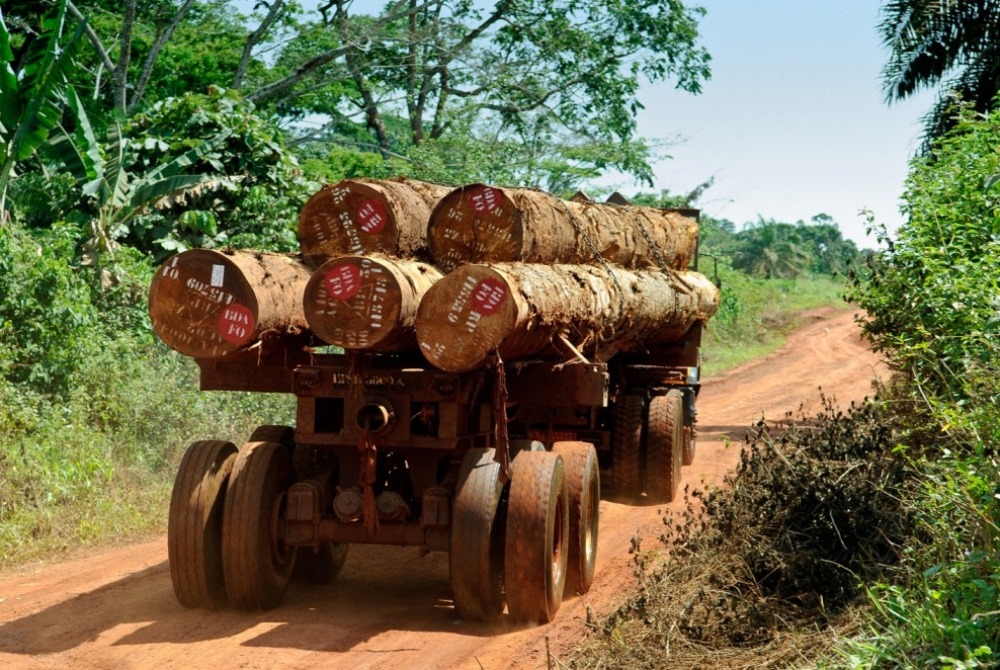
(389, 608)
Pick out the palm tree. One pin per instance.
(771, 250)
(954, 44)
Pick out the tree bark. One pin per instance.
(523, 310)
(124, 56)
(484, 224)
(207, 304)
(361, 217)
(367, 302)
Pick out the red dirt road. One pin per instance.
(389, 608)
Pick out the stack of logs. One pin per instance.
(460, 274)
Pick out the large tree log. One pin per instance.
(485, 224)
(367, 302)
(362, 217)
(521, 309)
(207, 303)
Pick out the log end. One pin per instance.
(464, 317)
(475, 224)
(350, 217)
(201, 304)
(354, 302)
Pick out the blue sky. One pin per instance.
(793, 122)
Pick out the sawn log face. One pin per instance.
(367, 302)
(207, 304)
(361, 217)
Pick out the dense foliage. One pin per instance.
(952, 45)
(932, 300)
(933, 291)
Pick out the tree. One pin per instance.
(559, 71)
(954, 45)
(772, 250)
(574, 65)
(32, 95)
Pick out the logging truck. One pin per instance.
(469, 405)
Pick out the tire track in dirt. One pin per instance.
(390, 608)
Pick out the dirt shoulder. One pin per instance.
(390, 608)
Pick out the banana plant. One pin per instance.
(32, 99)
(122, 195)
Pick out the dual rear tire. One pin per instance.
(650, 444)
(222, 539)
(522, 545)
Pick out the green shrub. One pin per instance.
(259, 191)
(47, 321)
(933, 294)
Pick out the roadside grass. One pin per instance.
(756, 315)
(97, 468)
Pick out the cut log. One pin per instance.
(367, 302)
(485, 224)
(361, 217)
(524, 310)
(207, 304)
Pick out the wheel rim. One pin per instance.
(280, 552)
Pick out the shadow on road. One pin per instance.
(380, 589)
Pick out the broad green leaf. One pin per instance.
(188, 158)
(9, 94)
(150, 191)
(117, 178)
(41, 87)
(79, 150)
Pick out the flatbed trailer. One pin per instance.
(501, 467)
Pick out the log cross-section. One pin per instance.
(367, 302)
(207, 304)
(487, 224)
(522, 310)
(367, 216)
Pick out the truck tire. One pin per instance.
(267, 433)
(322, 565)
(690, 435)
(583, 482)
(194, 525)
(626, 446)
(256, 564)
(664, 445)
(537, 537)
(476, 551)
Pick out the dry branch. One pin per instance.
(207, 303)
(520, 309)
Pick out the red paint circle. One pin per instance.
(371, 216)
(236, 324)
(343, 281)
(484, 200)
(488, 295)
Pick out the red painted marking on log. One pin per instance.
(343, 281)
(236, 324)
(488, 295)
(372, 216)
(484, 200)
